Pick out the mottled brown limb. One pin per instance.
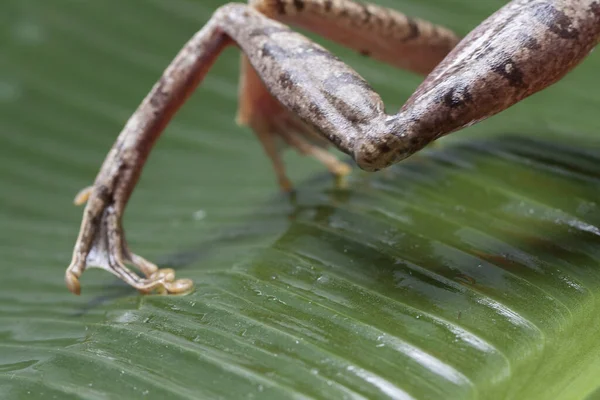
(273, 124)
(382, 33)
(379, 32)
(101, 241)
(521, 49)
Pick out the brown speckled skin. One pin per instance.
(521, 49)
(386, 35)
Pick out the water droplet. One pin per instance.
(199, 215)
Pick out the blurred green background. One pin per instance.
(470, 271)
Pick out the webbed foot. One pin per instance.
(101, 244)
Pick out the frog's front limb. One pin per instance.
(521, 49)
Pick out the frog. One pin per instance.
(295, 91)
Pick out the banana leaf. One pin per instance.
(470, 271)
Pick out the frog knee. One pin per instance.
(375, 153)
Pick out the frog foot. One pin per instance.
(101, 244)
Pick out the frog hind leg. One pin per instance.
(384, 34)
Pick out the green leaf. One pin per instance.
(469, 271)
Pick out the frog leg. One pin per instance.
(274, 125)
(109, 251)
(521, 49)
(384, 34)
(101, 241)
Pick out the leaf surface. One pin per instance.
(469, 271)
